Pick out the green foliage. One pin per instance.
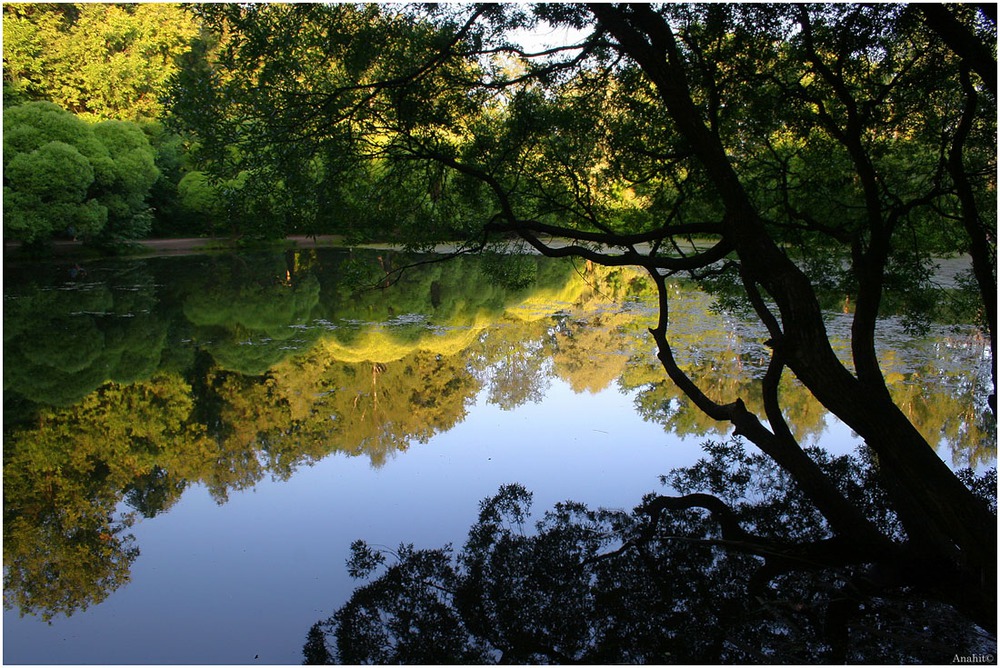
(48, 193)
(171, 217)
(30, 126)
(310, 175)
(105, 62)
(100, 61)
(126, 185)
(813, 148)
(199, 198)
(61, 174)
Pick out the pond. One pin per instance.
(191, 444)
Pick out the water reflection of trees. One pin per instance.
(687, 586)
(62, 340)
(64, 541)
(287, 360)
(947, 406)
(313, 405)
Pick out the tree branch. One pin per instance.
(828, 552)
(963, 42)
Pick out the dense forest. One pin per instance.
(98, 147)
(87, 149)
(785, 157)
(123, 121)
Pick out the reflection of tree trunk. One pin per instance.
(377, 369)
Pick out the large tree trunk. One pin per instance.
(982, 239)
(945, 521)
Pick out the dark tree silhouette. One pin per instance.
(652, 586)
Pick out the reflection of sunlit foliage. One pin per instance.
(510, 271)
(945, 401)
(651, 586)
(599, 326)
(154, 492)
(247, 325)
(67, 469)
(725, 379)
(727, 359)
(588, 350)
(63, 477)
(374, 408)
(510, 361)
(246, 407)
(450, 294)
(939, 382)
(51, 568)
(254, 315)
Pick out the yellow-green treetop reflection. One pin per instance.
(64, 476)
(280, 361)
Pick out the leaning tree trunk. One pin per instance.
(946, 523)
(982, 239)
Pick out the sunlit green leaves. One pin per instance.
(101, 61)
(62, 174)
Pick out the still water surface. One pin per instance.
(192, 443)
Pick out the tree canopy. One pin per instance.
(63, 174)
(102, 61)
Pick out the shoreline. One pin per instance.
(947, 271)
(62, 248)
